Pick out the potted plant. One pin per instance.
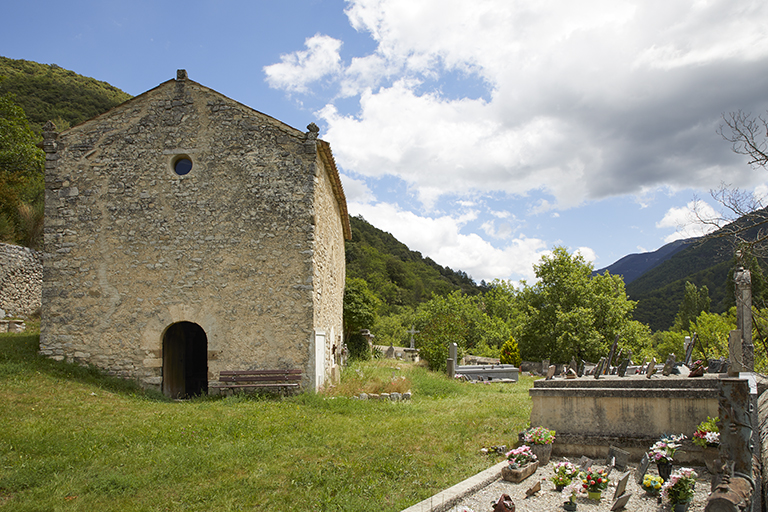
(569, 492)
(663, 452)
(594, 482)
(707, 436)
(522, 464)
(565, 472)
(652, 484)
(679, 488)
(540, 440)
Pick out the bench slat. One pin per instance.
(260, 372)
(260, 378)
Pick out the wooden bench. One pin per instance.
(259, 379)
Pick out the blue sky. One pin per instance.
(481, 134)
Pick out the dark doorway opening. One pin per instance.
(185, 360)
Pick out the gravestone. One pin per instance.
(621, 502)
(642, 469)
(572, 365)
(689, 343)
(620, 457)
(622, 371)
(642, 365)
(533, 490)
(599, 367)
(651, 368)
(580, 370)
(612, 353)
(544, 366)
(390, 352)
(669, 365)
(453, 350)
(621, 485)
(551, 372)
(585, 463)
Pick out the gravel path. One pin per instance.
(548, 499)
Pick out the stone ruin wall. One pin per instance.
(135, 247)
(21, 281)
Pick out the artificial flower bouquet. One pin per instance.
(652, 484)
(520, 457)
(680, 486)
(707, 433)
(664, 450)
(572, 490)
(565, 472)
(539, 435)
(595, 480)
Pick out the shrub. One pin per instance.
(359, 349)
(510, 353)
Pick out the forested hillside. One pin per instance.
(394, 273)
(48, 92)
(709, 262)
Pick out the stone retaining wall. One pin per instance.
(21, 280)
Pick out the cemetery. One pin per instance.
(619, 435)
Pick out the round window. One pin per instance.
(182, 166)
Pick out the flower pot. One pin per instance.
(595, 495)
(559, 487)
(711, 456)
(542, 452)
(570, 506)
(681, 507)
(518, 475)
(665, 470)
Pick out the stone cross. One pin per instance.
(413, 331)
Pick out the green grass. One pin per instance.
(72, 439)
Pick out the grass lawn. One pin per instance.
(72, 439)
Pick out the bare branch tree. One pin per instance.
(748, 136)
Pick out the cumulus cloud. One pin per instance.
(582, 101)
(687, 221)
(297, 70)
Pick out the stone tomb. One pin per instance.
(590, 415)
(489, 372)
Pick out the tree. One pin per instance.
(695, 301)
(359, 307)
(569, 313)
(21, 177)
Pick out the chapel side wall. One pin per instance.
(133, 247)
(329, 265)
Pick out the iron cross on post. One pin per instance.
(412, 331)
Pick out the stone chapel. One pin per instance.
(187, 234)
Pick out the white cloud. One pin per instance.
(441, 238)
(299, 69)
(356, 191)
(586, 253)
(581, 101)
(687, 221)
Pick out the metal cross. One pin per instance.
(412, 331)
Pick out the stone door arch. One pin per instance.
(185, 360)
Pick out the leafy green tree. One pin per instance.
(712, 331)
(21, 176)
(695, 301)
(569, 313)
(359, 307)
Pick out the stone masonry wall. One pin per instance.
(329, 264)
(21, 280)
(135, 247)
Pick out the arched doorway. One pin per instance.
(185, 360)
